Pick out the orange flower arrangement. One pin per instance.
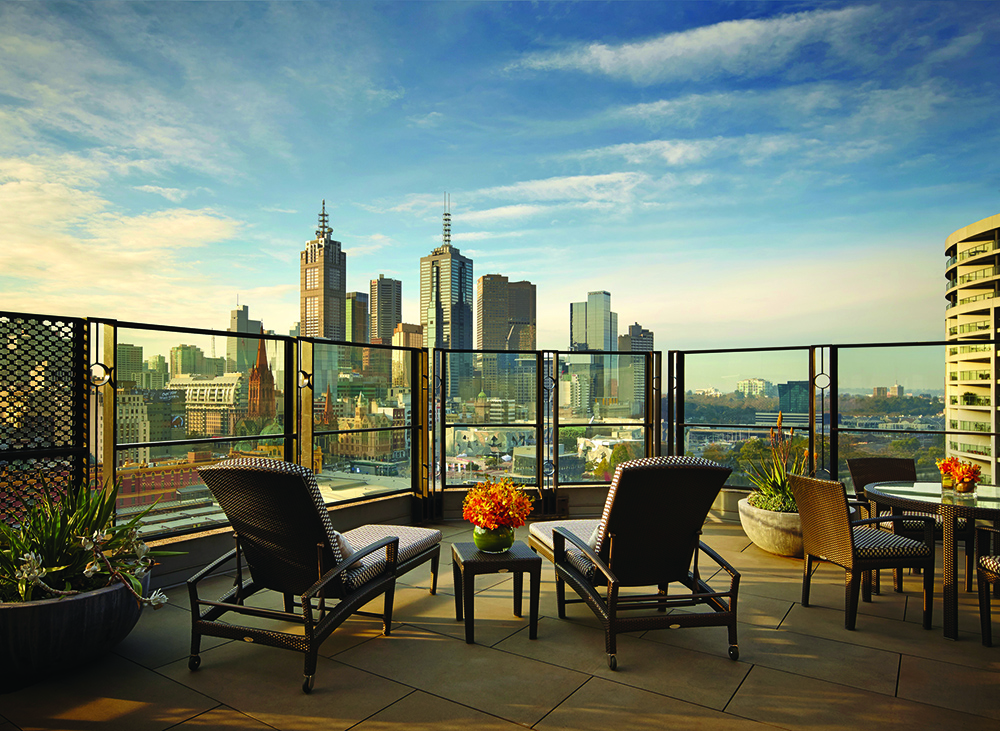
(958, 470)
(493, 505)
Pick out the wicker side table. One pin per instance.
(467, 562)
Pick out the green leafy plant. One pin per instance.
(71, 545)
(769, 474)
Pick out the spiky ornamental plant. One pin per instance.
(72, 545)
(770, 476)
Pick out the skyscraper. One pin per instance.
(386, 301)
(492, 318)
(356, 317)
(322, 284)
(240, 352)
(632, 370)
(521, 315)
(128, 365)
(446, 295)
(592, 324)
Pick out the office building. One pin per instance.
(972, 316)
(793, 397)
(632, 370)
(322, 285)
(405, 336)
(240, 352)
(128, 364)
(191, 360)
(593, 326)
(446, 295)
(386, 303)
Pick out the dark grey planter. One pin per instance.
(43, 638)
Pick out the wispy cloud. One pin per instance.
(742, 48)
(176, 195)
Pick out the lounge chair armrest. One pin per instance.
(560, 535)
(718, 559)
(391, 556)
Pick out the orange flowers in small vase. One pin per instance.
(962, 475)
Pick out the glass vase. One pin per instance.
(496, 540)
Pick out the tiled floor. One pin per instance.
(798, 667)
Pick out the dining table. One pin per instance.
(932, 498)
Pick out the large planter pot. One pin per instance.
(42, 638)
(779, 533)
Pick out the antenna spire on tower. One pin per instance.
(447, 220)
(323, 221)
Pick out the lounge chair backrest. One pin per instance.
(826, 524)
(866, 470)
(653, 517)
(279, 516)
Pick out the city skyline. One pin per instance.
(735, 174)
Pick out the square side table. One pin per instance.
(467, 562)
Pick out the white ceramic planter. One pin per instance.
(778, 533)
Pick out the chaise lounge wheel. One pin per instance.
(613, 662)
(734, 652)
(307, 683)
(194, 662)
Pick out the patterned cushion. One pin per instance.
(585, 530)
(412, 541)
(915, 526)
(873, 544)
(990, 563)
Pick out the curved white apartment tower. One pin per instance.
(972, 318)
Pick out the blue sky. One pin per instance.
(735, 174)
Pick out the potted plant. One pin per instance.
(958, 475)
(495, 508)
(72, 583)
(769, 515)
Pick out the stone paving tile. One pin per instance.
(113, 693)
(599, 706)
(791, 701)
(420, 711)
(501, 684)
(862, 667)
(265, 684)
(699, 677)
(162, 636)
(950, 686)
(225, 718)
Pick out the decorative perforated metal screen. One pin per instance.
(43, 407)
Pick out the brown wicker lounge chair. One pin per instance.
(286, 542)
(987, 574)
(647, 537)
(866, 470)
(857, 546)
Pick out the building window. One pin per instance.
(312, 278)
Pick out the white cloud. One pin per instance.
(743, 48)
(610, 187)
(502, 213)
(175, 195)
(432, 119)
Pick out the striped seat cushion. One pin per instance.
(583, 529)
(874, 544)
(990, 563)
(412, 542)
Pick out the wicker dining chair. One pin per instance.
(867, 470)
(648, 536)
(987, 575)
(828, 534)
(286, 543)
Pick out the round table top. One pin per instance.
(985, 500)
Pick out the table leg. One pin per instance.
(469, 589)
(456, 574)
(950, 574)
(534, 588)
(518, 590)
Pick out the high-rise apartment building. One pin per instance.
(240, 352)
(593, 326)
(446, 295)
(632, 370)
(972, 317)
(322, 284)
(755, 387)
(386, 302)
(521, 316)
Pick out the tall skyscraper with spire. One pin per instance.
(446, 287)
(386, 300)
(322, 284)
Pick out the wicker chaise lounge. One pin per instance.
(286, 542)
(648, 536)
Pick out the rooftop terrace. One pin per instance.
(798, 668)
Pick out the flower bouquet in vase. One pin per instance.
(495, 508)
(958, 475)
